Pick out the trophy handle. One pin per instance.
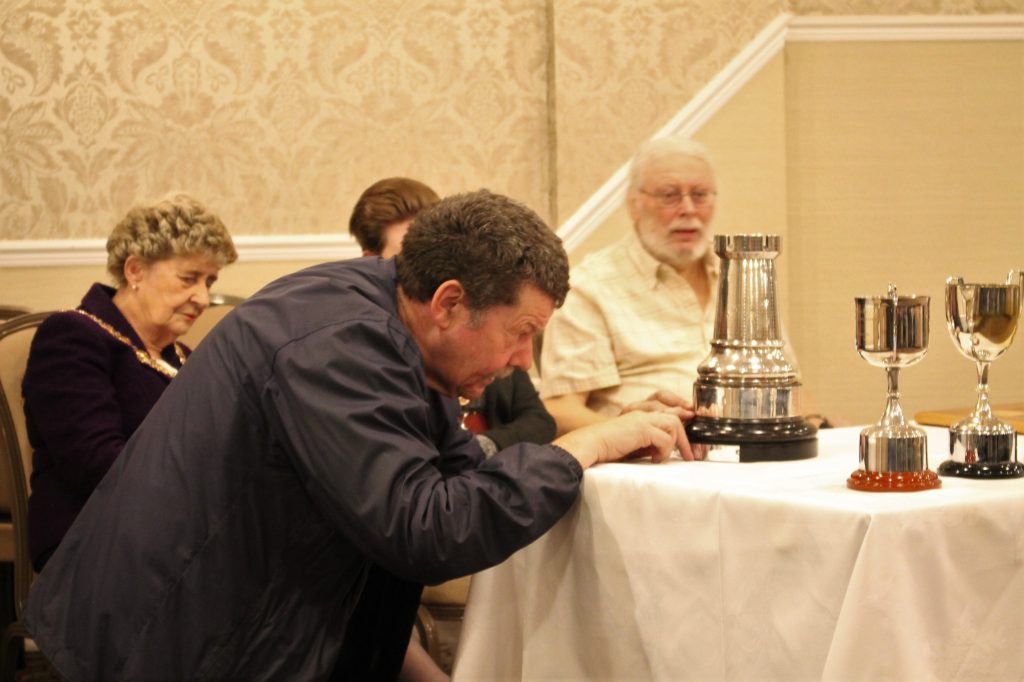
(1016, 277)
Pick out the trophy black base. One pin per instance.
(753, 441)
(951, 467)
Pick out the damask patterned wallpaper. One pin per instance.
(279, 112)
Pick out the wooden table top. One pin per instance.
(1011, 413)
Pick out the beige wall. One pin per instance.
(906, 165)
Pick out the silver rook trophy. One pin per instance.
(747, 391)
(982, 320)
(892, 332)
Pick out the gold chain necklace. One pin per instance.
(145, 358)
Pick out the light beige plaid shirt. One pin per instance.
(630, 326)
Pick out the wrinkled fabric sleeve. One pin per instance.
(530, 421)
(70, 399)
(353, 413)
(578, 354)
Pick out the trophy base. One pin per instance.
(988, 444)
(893, 481)
(734, 440)
(951, 467)
(899, 448)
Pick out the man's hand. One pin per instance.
(639, 433)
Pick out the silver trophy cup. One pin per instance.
(747, 391)
(982, 319)
(892, 333)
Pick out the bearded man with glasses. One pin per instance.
(639, 317)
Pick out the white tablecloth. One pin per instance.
(770, 571)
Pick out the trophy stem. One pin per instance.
(983, 410)
(893, 415)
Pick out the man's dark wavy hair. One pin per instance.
(491, 244)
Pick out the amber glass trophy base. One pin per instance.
(951, 467)
(893, 481)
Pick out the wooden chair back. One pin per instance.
(15, 452)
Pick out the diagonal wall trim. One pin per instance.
(768, 43)
(251, 249)
(744, 66)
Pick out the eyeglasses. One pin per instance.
(671, 198)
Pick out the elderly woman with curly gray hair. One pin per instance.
(96, 371)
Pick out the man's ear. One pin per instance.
(445, 304)
(632, 204)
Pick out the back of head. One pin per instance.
(176, 226)
(661, 148)
(491, 244)
(384, 203)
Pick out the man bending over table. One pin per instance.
(313, 434)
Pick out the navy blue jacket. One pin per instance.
(298, 448)
(85, 394)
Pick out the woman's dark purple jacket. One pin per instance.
(85, 394)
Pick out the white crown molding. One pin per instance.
(251, 249)
(905, 28)
(595, 210)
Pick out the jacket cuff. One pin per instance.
(574, 463)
